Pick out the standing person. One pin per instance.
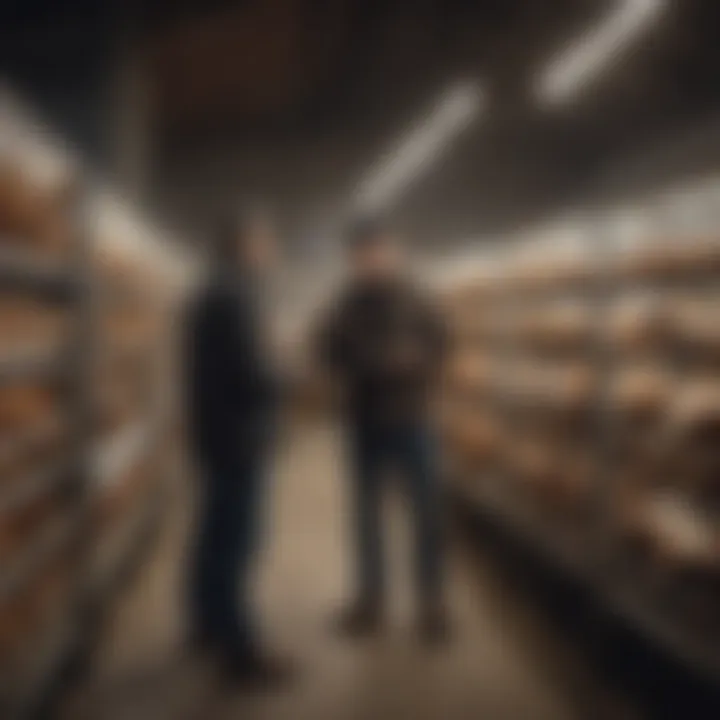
(385, 342)
(232, 403)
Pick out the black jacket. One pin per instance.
(386, 342)
(232, 389)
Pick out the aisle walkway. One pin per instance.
(503, 665)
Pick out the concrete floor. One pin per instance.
(505, 662)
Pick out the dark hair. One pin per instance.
(365, 232)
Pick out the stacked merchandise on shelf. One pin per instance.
(85, 314)
(526, 384)
(41, 280)
(582, 410)
(663, 431)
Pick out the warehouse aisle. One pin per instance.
(503, 664)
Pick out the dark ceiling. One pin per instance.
(293, 100)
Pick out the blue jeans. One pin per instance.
(228, 542)
(411, 450)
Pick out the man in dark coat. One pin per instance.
(232, 404)
(385, 342)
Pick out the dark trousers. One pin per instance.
(228, 542)
(411, 450)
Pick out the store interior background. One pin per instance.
(175, 110)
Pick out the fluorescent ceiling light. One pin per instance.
(421, 147)
(569, 72)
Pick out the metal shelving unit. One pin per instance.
(20, 367)
(64, 547)
(85, 470)
(36, 486)
(20, 274)
(625, 595)
(25, 442)
(25, 273)
(589, 559)
(91, 561)
(43, 550)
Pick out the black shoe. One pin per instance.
(361, 619)
(434, 627)
(257, 672)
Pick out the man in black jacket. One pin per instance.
(386, 343)
(232, 402)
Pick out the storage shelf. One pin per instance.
(703, 284)
(20, 443)
(619, 599)
(20, 272)
(21, 494)
(600, 285)
(18, 367)
(587, 287)
(77, 284)
(627, 604)
(52, 540)
(591, 555)
(550, 546)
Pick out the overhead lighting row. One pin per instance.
(564, 77)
